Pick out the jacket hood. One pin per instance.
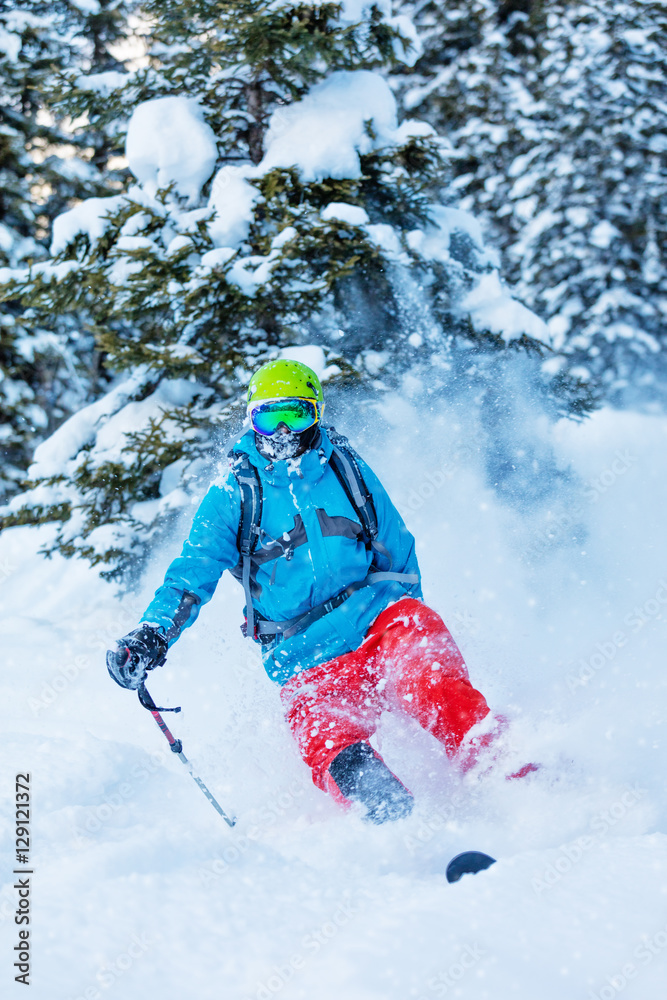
(310, 466)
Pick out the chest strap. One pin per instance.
(285, 630)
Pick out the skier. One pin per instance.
(333, 596)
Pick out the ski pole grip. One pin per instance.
(146, 699)
(148, 703)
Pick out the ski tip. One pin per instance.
(468, 863)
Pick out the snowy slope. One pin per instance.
(140, 889)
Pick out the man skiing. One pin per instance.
(333, 596)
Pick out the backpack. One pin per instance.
(344, 464)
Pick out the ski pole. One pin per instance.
(177, 747)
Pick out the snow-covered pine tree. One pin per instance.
(277, 202)
(112, 44)
(45, 364)
(557, 115)
(32, 397)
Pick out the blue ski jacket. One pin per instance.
(309, 551)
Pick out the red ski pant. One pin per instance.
(408, 661)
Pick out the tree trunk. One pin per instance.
(255, 98)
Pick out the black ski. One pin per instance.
(468, 863)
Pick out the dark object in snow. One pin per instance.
(468, 863)
(362, 776)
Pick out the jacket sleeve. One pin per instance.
(208, 551)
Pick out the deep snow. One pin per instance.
(139, 887)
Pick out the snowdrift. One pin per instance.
(559, 607)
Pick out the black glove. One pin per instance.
(138, 652)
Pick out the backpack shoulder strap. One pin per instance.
(249, 523)
(346, 468)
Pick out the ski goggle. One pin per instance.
(295, 413)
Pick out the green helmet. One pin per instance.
(284, 379)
